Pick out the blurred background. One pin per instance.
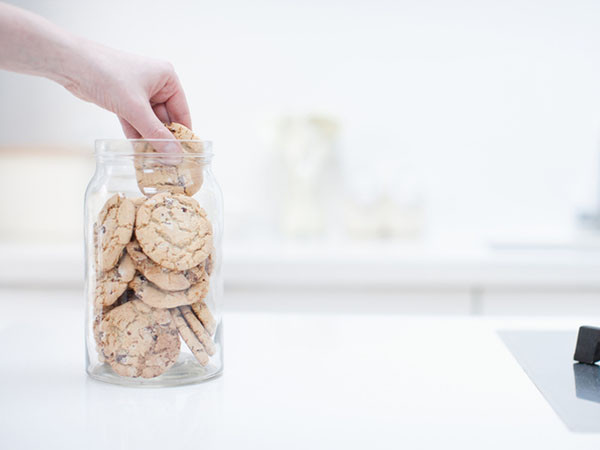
(416, 157)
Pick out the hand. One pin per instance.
(142, 92)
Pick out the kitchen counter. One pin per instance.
(453, 278)
(309, 380)
(363, 265)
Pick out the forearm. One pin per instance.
(142, 92)
(31, 44)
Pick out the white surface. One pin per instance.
(291, 381)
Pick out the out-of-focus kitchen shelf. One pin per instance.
(360, 265)
(410, 266)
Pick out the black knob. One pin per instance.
(588, 345)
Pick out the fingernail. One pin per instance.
(174, 152)
(172, 147)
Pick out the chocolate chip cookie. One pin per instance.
(197, 328)
(157, 298)
(189, 337)
(166, 279)
(205, 316)
(112, 283)
(138, 340)
(156, 174)
(173, 231)
(112, 230)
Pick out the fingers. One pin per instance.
(128, 130)
(144, 120)
(161, 112)
(177, 107)
(145, 117)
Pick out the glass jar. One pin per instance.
(153, 233)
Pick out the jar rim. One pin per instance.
(114, 147)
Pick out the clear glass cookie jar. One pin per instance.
(153, 284)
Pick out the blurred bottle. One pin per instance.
(307, 168)
(386, 201)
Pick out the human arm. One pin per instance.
(142, 92)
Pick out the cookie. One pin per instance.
(189, 337)
(157, 298)
(198, 329)
(112, 283)
(137, 202)
(155, 175)
(96, 331)
(139, 341)
(183, 133)
(173, 231)
(197, 275)
(166, 279)
(100, 312)
(113, 230)
(205, 316)
(209, 263)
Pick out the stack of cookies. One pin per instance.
(154, 256)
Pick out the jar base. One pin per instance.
(185, 371)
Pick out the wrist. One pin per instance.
(67, 61)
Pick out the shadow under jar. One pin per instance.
(153, 234)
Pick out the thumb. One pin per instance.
(146, 123)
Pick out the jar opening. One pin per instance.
(150, 148)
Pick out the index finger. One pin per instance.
(177, 107)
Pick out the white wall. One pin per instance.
(497, 103)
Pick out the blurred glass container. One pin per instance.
(153, 235)
(308, 174)
(383, 217)
(386, 201)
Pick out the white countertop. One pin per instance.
(290, 381)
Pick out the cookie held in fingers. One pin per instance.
(138, 341)
(203, 313)
(112, 283)
(183, 133)
(174, 231)
(157, 298)
(155, 173)
(189, 337)
(197, 328)
(112, 230)
(166, 279)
